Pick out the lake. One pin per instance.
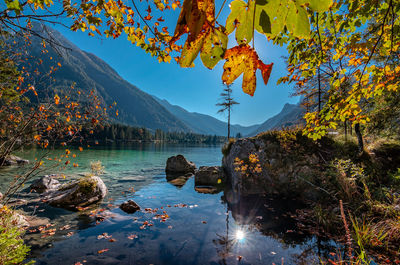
(177, 224)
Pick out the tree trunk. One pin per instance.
(359, 137)
(319, 93)
(229, 122)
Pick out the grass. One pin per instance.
(227, 147)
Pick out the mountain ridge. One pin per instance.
(136, 107)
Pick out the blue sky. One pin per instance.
(195, 89)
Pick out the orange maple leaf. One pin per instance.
(244, 60)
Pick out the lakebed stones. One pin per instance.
(45, 183)
(209, 176)
(129, 207)
(11, 160)
(179, 165)
(76, 194)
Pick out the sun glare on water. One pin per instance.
(240, 236)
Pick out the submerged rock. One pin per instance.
(45, 183)
(11, 160)
(209, 176)
(178, 180)
(80, 193)
(179, 164)
(207, 190)
(129, 206)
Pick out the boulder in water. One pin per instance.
(179, 164)
(209, 176)
(45, 183)
(129, 206)
(80, 193)
(11, 160)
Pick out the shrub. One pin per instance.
(227, 147)
(12, 247)
(96, 168)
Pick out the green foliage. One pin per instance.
(87, 185)
(12, 247)
(349, 67)
(8, 79)
(241, 19)
(123, 133)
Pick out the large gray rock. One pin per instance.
(11, 160)
(80, 193)
(179, 164)
(209, 176)
(45, 183)
(129, 206)
(282, 171)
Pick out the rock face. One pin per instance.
(265, 164)
(209, 176)
(129, 206)
(45, 183)
(11, 160)
(179, 164)
(80, 193)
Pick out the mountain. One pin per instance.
(135, 107)
(204, 124)
(290, 115)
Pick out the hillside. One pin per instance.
(204, 124)
(290, 115)
(135, 107)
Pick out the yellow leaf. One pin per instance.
(244, 60)
(56, 99)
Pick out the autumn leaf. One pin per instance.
(197, 19)
(103, 250)
(131, 237)
(214, 46)
(56, 99)
(241, 19)
(192, 18)
(244, 60)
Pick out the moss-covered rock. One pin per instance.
(80, 193)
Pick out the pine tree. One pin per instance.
(226, 105)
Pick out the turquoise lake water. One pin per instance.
(199, 228)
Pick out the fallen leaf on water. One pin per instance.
(204, 222)
(273, 253)
(103, 250)
(70, 234)
(65, 227)
(112, 240)
(132, 237)
(170, 227)
(239, 258)
(104, 235)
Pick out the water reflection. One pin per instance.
(206, 225)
